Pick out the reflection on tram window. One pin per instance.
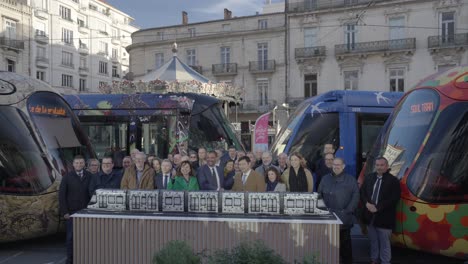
(285, 134)
(441, 173)
(23, 169)
(59, 129)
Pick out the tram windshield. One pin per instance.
(402, 136)
(23, 168)
(59, 129)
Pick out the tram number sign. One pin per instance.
(422, 107)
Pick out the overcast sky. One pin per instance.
(158, 13)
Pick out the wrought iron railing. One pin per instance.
(312, 5)
(224, 68)
(448, 40)
(42, 59)
(12, 43)
(262, 66)
(376, 46)
(310, 52)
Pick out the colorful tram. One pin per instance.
(159, 124)
(426, 144)
(39, 136)
(350, 120)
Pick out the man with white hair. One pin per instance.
(133, 152)
(282, 162)
(139, 176)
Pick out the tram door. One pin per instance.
(156, 135)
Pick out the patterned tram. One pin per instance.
(426, 143)
(39, 136)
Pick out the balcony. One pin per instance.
(313, 5)
(41, 14)
(11, 44)
(115, 40)
(83, 49)
(103, 53)
(310, 53)
(385, 46)
(68, 65)
(124, 61)
(197, 68)
(262, 66)
(41, 37)
(83, 70)
(83, 29)
(116, 76)
(257, 106)
(115, 59)
(224, 69)
(447, 42)
(42, 62)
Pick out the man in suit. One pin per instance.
(162, 179)
(248, 180)
(73, 197)
(107, 178)
(230, 155)
(266, 164)
(210, 176)
(380, 192)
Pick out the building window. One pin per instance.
(115, 53)
(351, 80)
(41, 5)
(82, 45)
(226, 27)
(11, 65)
(115, 73)
(10, 28)
(40, 75)
(192, 32)
(80, 22)
(447, 26)
(262, 56)
(159, 60)
(397, 80)
(67, 58)
(310, 4)
(102, 67)
(103, 48)
(92, 7)
(310, 37)
(160, 35)
(65, 13)
(262, 88)
(115, 34)
(262, 23)
(41, 52)
(397, 27)
(82, 85)
(102, 27)
(191, 57)
(83, 62)
(350, 36)
(225, 55)
(67, 36)
(67, 80)
(310, 85)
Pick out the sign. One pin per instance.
(261, 133)
(47, 110)
(392, 153)
(422, 107)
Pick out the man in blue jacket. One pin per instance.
(106, 178)
(73, 197)
(210, 176)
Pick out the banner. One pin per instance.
(261, 133)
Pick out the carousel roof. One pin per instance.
(175, 70)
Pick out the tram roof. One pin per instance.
(452, 82)
(15, 87)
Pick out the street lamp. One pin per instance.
(286, 106)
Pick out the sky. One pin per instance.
(159, 13)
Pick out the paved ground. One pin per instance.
(51, 250)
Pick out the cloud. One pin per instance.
(238, 7)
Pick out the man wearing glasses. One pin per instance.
(93, 166)
(107, 178)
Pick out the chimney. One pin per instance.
(184, 18)
(227, 14)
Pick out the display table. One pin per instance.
(129, 237)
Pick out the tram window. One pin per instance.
(108, 139)
(208, 129)
(313, 133)
(369, 126)
(23, 169)
(441, 173)
(156, 135)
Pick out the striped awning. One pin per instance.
(174, 70)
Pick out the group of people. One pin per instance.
(240, 171)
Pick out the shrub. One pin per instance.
(311, 259)
(176, 252)
(247, 253)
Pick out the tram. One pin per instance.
(39, 136)
(426, 144)
(350, 120)
(158, 124)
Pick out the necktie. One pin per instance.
(375, 194)
(244, 178)
(213, 173)
(165, 181)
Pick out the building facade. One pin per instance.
(79, 45)
(14, 36)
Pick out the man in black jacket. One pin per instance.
(380, 194)
(107, 178)
(73, 196)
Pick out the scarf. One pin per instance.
(297, 183)
(271, 186)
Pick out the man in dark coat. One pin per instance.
(210, 176)
(162, 178)
(107, 178)
(73, 196)
(380, 194)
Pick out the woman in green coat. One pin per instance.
(184, 180)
